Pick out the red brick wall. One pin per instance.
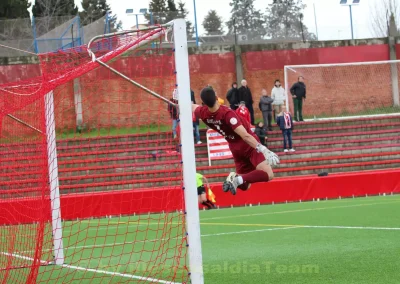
(110, 101)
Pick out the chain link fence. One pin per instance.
(46, 34)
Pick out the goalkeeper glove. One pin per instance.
(270, 156)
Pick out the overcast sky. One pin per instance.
(333, 20)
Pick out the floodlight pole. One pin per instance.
(351, 22)
(195, 23)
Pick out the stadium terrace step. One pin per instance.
(151, 160)
(337, 136)
(149, 167)
(214, 174)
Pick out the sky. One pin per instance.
(333, 20)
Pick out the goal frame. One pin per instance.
(192, 217)
(394, 79)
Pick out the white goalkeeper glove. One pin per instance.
(270, 156)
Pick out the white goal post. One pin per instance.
(346, 89)
(192, 219)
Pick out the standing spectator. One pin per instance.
(246, 96)
(285, 123)
(243, 112)
(232, 96)
(192, 97)
(196, 131)
(279, 97)
(298, 91)
(265, 106)
(261, 133)
(173, 112)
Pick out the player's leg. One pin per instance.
(255, 170)
(201, 191)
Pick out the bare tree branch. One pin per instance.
(381, 12)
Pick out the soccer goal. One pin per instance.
(94, 188)
(348, 89)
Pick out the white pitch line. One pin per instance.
(350, 228)
(152, 280)
(249, 231)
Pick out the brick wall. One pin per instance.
(110, 101)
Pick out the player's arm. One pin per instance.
(271, 157)
(247, 137)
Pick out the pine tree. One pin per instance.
(54, 8)
(159, 10)
(94, 10)
(213, 23)
(284, 20)
(183, 14)
(172, 11)
(246, 19)
(13, 9)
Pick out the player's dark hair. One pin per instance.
(277, 80)
(208, 97)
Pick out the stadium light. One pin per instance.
(344, 3)
(142, 12)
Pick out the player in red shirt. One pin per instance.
(243, 112)
(252, 160)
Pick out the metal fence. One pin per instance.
(46, 34)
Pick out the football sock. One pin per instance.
(210, 203)
(244, 186)
(205, 203)
(255, 176)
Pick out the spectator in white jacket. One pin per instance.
(279, 97)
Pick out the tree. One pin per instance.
(159, 10)
(213, 23)
(54, 8)
(93, 10)
(183, 14)
(381, 14)
(13, 9)
(246, 19)
(284, 20)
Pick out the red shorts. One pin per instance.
(246, 158)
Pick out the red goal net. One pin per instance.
(90, 173)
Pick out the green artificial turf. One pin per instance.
(337, 241)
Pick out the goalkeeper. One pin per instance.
(201, 191)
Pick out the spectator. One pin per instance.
(201, 191)
(196, 131)
(279, 97)
(265, 106)
(261, 133)
(192, 96)
(246, 96)
(243, 112)
(232, 96)
(285, 123)
(298, 91)
(173, 112)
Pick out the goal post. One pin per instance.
(346, 89)
(115, 199)
(54, 186)
(188, 153)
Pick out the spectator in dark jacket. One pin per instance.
(192, 96)
(298, 91)
(246, 96)
(173, 112)
(261, 133)
(265, 106)
(232, 96)
(285, 123)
